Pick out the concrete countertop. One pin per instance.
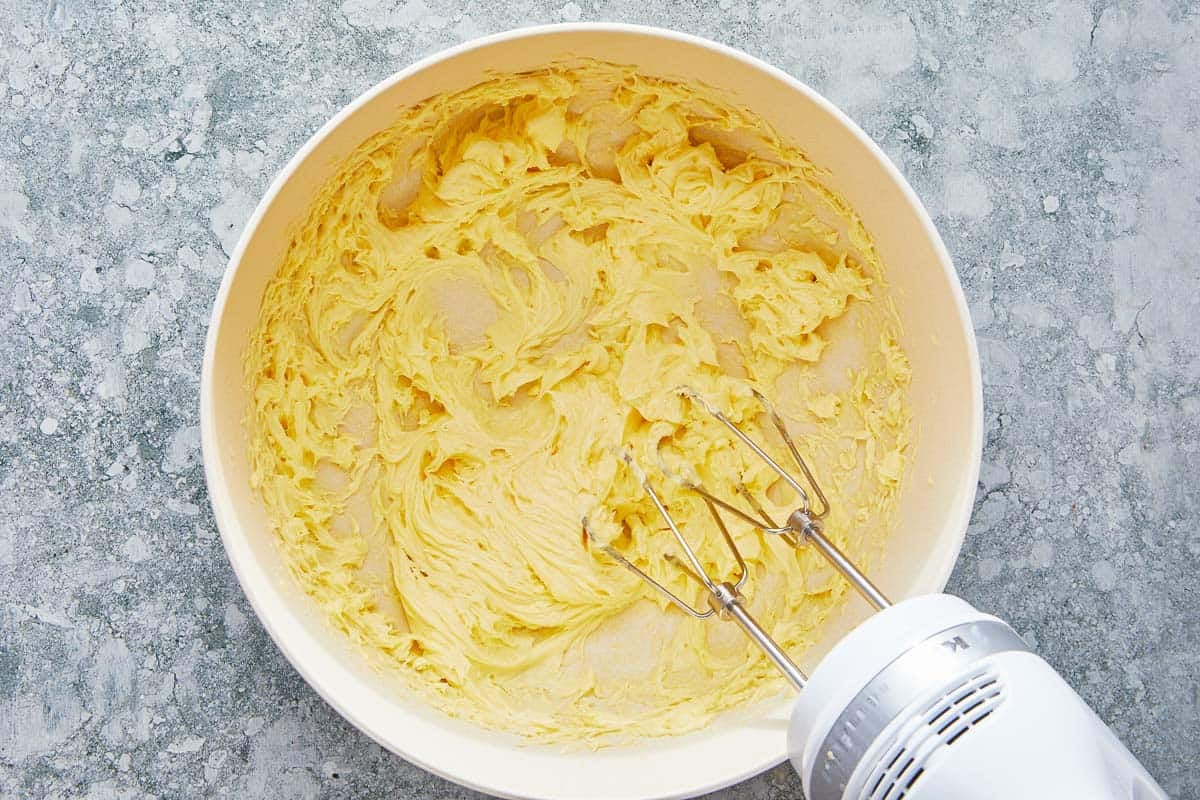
(1057, 146)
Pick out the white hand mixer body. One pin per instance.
(928, 699)
(931, 699)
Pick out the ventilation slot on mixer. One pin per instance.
(940, 724)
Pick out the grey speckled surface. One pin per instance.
(1057, 146)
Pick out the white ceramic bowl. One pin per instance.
(934, 506)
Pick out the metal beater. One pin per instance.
(803, 526)
(886, 714)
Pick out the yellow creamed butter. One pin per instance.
(486, 301)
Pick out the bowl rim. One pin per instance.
(219, 498)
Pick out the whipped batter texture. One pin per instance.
(488, 298)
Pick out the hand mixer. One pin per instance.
(928, 698)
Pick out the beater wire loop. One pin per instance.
(804, 526)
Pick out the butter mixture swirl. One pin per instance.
(485, 301)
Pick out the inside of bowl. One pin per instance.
(917, 555)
